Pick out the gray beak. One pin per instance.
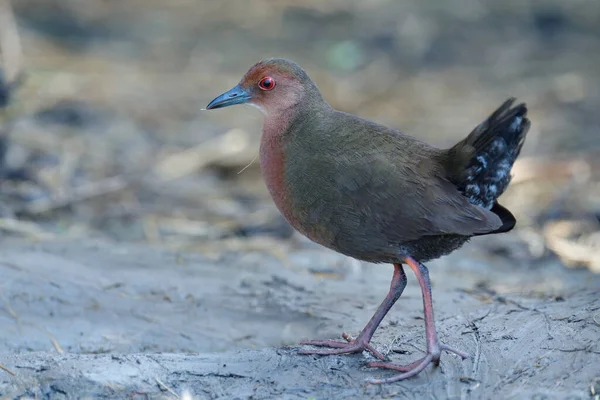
(237, 95)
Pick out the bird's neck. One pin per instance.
(280, 129)
(291, 115)
(272, 157)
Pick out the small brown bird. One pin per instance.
(375, 194)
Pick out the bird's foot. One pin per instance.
(410, 370)
(350, 346)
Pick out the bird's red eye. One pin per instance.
(266, 83)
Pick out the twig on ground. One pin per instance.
(164, 387)
(55, 343)
(57, 346)
(595, 388)
(3, 368)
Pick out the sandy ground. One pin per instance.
(101, 320)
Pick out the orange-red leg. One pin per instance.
(361, 343)
(434, 347)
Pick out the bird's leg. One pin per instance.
(361, 343)
(434, 347)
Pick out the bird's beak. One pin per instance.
(237, 95)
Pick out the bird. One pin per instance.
(376, 194)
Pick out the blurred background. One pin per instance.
(102, 134)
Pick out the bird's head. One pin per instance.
(271, 86)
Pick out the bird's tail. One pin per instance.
(480, 164)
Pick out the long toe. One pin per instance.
(410, 370)
(396, 367)
(337, 347)
(414, 368)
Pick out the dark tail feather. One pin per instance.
(480, 165)
(508, 220)
(508, 123)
